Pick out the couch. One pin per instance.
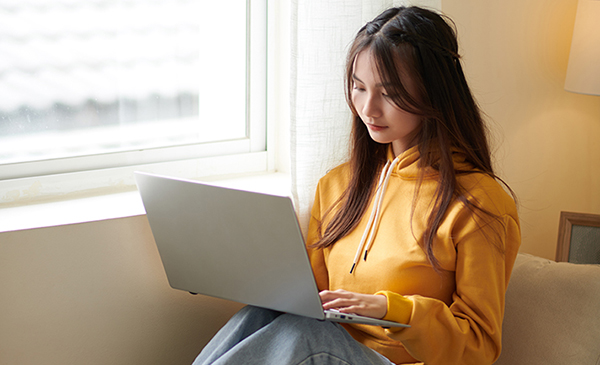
(552, 314)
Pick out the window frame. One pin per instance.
(97, 174)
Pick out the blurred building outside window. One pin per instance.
(103, 77)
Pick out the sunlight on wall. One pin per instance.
(515, 56)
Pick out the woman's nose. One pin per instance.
(372, 109)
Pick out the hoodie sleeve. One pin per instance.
(316, 256)
(469, 330)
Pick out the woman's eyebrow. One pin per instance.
(357, 79)
(380, 84)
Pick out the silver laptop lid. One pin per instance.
(231, 244)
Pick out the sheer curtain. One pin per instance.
(321, 32)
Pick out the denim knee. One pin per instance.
(257, 312)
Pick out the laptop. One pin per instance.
(237, 245)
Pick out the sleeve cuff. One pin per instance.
(399, 307)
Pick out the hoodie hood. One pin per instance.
(408, 168)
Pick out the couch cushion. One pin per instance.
(552, 313)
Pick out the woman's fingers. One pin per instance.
(349, 302)
(327, 295)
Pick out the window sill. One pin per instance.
(118, 205)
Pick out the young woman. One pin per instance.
(415, 228)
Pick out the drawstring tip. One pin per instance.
(365, 258)
(354, 264)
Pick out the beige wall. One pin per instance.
(96, 293)
(547, 139)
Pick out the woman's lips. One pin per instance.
(375, 128)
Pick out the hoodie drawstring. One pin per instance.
(375, 216)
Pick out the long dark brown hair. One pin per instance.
(423, 45)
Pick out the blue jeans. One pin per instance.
(262, 336)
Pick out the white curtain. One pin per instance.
(321, 32)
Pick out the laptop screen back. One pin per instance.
(231, 244)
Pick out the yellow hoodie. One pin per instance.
(456, 314)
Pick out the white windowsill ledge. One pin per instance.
(118, 205)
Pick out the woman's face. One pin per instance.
(385, 121)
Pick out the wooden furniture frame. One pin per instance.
(567, 221)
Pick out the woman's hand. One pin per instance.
(374, 306)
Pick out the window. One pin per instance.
(109, 83)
